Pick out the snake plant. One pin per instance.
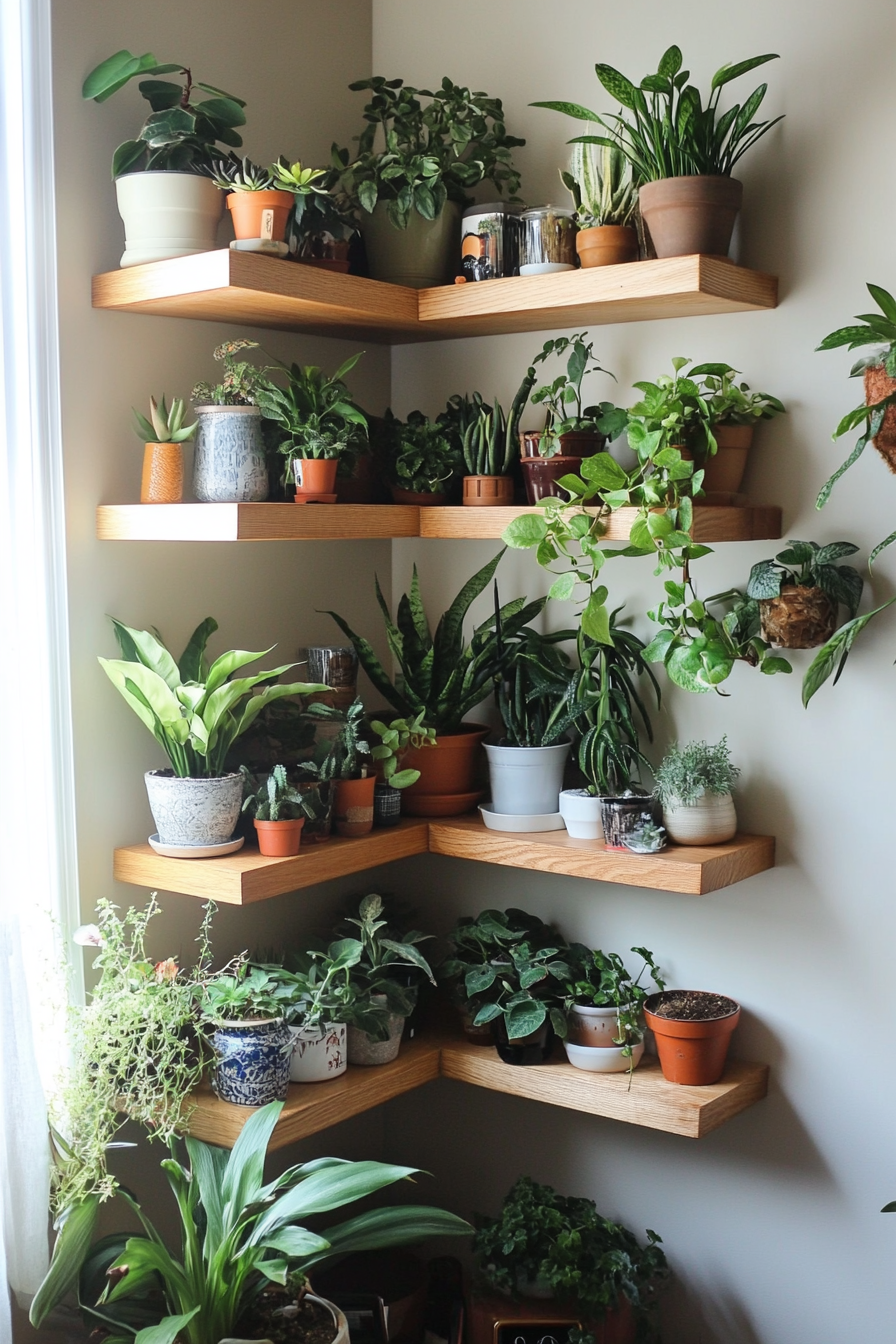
(600, 182)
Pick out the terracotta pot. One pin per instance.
(424, 498)
(420, 255)
(488, 491)
(163, 474)
(691, 1052)
(801, 618)
(315, 475)
(353, 811)
(878, 384)
(540, 476)
(607, 245)
(691, 214)
(279, 839)
(724, 472)
(579, 444)
(448, 768)
(260, 214)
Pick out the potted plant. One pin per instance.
(490, 446)
(243, 1007)
(169, 205)
(261, 198)
(734, 412)
(519, 994)
(559, 1246)
(240, 1245)
(415, 164)
(196, 712)
(421, 459)
(347, 762)
(325, 226)
(484, 940)
(801, 591)
(445, 677)
(694, 784)
(319, 999)
(693, 1030)
(600, 181)
(278, 812)
(396, 738)
(162, 481)
(604, 1003)
(229, 465)
(682, 153)
(701, 640)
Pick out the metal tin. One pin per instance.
(489, 245)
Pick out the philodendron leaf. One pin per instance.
(526, 531)
(764, 580)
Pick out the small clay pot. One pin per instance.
(353, 809)
(248, 212)
(687, 215)
(607, 245)
(279, 839)
(315, 475)
(724, 471)
(879, 384)
(692, 1050)
(800, 618)
(423, 498)
(163, 474)
(488, 491)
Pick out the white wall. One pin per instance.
(771, 1224)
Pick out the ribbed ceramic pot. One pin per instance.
(318, 1053)
(194, 811)
(711, 820)
(364, 1050)
(526, 781)
(253, 1057)
(167, 215)
(580, 811)
(229, 463)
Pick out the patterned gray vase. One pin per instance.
(194, 811)
(229, 464)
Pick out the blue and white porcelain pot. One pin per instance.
(229, 464)
(253, 1057)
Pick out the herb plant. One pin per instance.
(686, 773)
(414, 156)
(242, 993)
(241, 381)
(668, 132)
(396, 737)
(164, 426)
(315, 413)
(181, 132)
(600, 182)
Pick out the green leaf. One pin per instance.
(616, 85)
(380, 1229)
(328, 1189)
(596, 620)
(245, 1166)
(167, 1331)
(604, 472)
(570, 109)
(729, 72)
(191, 663)
(526, 531)
(72, 1244)
(524, 1018)
(297, 1243)
(836, 650)
(884, 300)
(562, 589)
(113, 73)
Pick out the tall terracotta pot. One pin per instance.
(724, 472)
(691, 214)
(448, 771)
(879, 384)
(353, 810)
(163, 474)
(260, 214)
(607, 245)
(692, 1052)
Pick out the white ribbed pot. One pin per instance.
(593, 1026)
(526, 781)
(318, 1053)
(580, 811)
(597, 1059)
(167, 215)
(194, 811)
(709, 821)
(229, 464)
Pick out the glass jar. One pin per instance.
(548, 241)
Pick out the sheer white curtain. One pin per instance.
(37, 883)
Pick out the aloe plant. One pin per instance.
(164, 425)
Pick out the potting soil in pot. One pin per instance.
(275, 1315)
(694, 1006)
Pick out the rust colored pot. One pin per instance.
(163, 474)
(260, 214)
(801, 618)
(607, 245)
(879, 384)
(423, 498)
(691, 1052)
(723, 473)
(279, 839)
(448, 768)
(691, 214)
(571, 445)
(353, 811)
(540, 476)
(315, 475)
(488, 491)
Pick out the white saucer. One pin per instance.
(266, 245)
(506, 821)
(196, 851)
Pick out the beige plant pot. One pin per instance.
(711, 820)
(420, 255)
(167, 215)
(686, 215)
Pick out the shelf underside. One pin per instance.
(255, 290)
(246, 877)
(347, 522)
(651, 1102)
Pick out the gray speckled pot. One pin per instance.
(363, 1049)
(194, 811)
(229, 464)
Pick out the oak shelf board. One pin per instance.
(687, 869)
(256, 522)
(247, 876)
(712, 522)
(226, 286)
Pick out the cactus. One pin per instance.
(599, 180)
(164, 426)
(276, 799)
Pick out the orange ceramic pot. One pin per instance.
(488, 491)
(353, 812)
(279, 839)
(691, 1052)
(260, 214)
(163, 474)
(686, 215)
(449, 768)
(315, 475)
(607, 245)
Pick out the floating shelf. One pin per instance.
(651, 1102)
(240, 879)
(254, 290)
(346, 522)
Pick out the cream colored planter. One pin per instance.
(709, 821)
(317, 1054)
(167, 215)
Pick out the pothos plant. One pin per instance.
(601, 980)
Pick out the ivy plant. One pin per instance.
(700, 641)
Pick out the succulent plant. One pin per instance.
(164, 425)
(646, 838)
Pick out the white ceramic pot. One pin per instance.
(229, 464)
(580, 811)
(526, 781)
(318, 1054)
(167, 215)
(194, 811)
(593, 1026)
(595, 1059)
(709, 821)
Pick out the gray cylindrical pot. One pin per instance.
(526, 781)
(363, 1049)
(194, 811)
(229, 463)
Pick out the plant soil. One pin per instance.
(275, 1315)
(692, 1005)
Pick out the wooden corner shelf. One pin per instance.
(347, 522)
(651, 1102)
(245, 877)
(255, 290)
